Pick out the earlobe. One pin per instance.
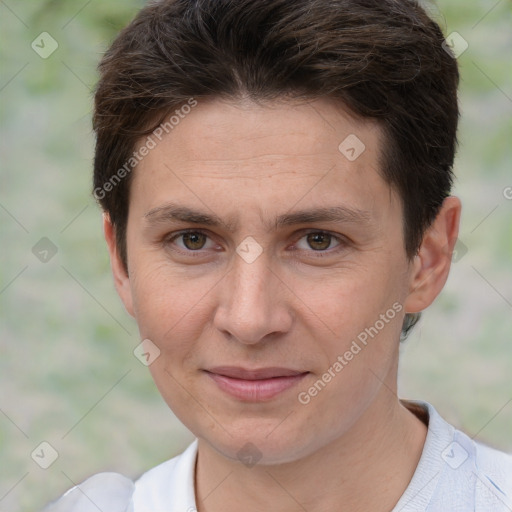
(121, 279)
(431, 265)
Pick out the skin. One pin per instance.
(292, 308)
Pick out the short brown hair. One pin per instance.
(380, 59)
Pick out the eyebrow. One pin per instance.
(171, 212)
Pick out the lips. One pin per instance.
(259, 374)
(254, 385)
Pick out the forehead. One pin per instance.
(248, 129)
(279, 153)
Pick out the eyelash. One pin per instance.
(342, 242)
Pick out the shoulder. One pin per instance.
(475, 475)
(168, 486)
(494, 469)
(474, 472)
(455, 472)
(102, 491)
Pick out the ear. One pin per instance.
(431, 265)
(121, 278)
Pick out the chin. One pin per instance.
(252, 444)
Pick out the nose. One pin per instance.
(254, 302)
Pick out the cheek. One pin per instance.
(173, 314)
(170, 310)
(359, 313)
(346, 302)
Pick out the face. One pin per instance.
(255, 241)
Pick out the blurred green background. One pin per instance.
(67, 372)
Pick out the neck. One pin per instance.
(368, 468)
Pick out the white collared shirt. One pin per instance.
(454, 474)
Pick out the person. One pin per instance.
(275, 178)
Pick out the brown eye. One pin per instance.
(319, 241)
(194, 240)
